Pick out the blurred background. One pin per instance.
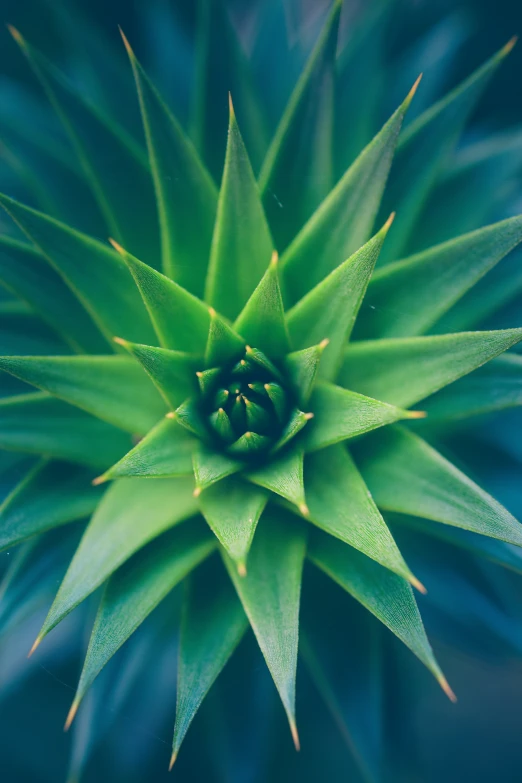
(476, 740)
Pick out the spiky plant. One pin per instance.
(225, 383)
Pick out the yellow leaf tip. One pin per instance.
(418, 585)
(99, 480)
(241, 569)
(15, 34)
(212, 313)
(119, 340)
(170, 415)
(197, 492)
(275, 258)
(71, 715)
(295, 735)
(173, 760)
(509, 46)
(324, 343)
(126, 43)
(117, 246)
(35, 645)
(413, 90)
(389, 221)
(309, 416)
(417, 414)
(303, 508)
(444, 684)
(231, 107)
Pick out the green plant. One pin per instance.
(211, 381)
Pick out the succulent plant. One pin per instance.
(249, 374)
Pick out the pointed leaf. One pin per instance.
(407, 297)
(262, 320)
(384, 594)
(424, 147)
(172, 372)
(49, 495)
(242, 245)
(301, 370)
(270, 596)
(93, 271)
(164, 452)
(133, 512)
(407, 475)
(223, 343)
(211, 466)
(96, 139)
(340, 414)
(40, 424)
(134, 591)
(301, 149)
(339, 503)
(494, 387)
(330, 309)
(344, 220)
(232, 509)
(113, 388)
(27, 274)
(284, 476)
(212, 625)
(403, 371)
(185, 192)
(180, 319)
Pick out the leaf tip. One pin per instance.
(274, 259)
(241, 569)
(324, 343)
(295, 735)
(231, 107)
(388, 223)
(99, 480)
(117, 246)
(416, 414)
(412, 92)
(303, 508)
(71, 714)
(126, 43)
(212, 313)
(197, 492)
(417, 584)
(509, 46)
(35, 645)
(15, 34)
(444, 684)
(309, 416)
(170, 415)
(120, 341)
(173, 760)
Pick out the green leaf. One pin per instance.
(339, 503)
(384, 594)
(40, 424)
(262, 320)
(270, 596)
(113, 388)
(172, 372)
(164, 452)
(123, 189)
(340, 414)
(223, 344)
(407, 297)
(23, 333)
(344, 220)
(49, 495)
(403, 371)
(93, 271)
(133, 512)
(180, 319)
(242, 245)
(232, 509)
(494, 387)
(301, 149)
(284, 476)
(330, 309)
(134, 591)
(408, 476)
(301, 370)
(211, 466)
(212, 625)
(185, 193)
(296, 421)
(424, 147)
(27, 274)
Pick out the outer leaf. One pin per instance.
(330, 309)
(28, 275)
(211, 466)
(340, 414)
(424, 147)
(172, 372)
(496, 386)
(330, 479)
(232, 509)
(242, 245)
(262, 320)
(132, 513)
(301, 149)
(164, 452)
(344, 220)
(270, 597)
(406, 298)
(284, 476)
(185, 193)
(134, 591)
(404, 371)
(384, 594)
(212, 625)
(96, 139)
(40, 424)
(22, 333)
(113, 388)
(407, 475)
(180, 319)
(94, 272)
(49, 495)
